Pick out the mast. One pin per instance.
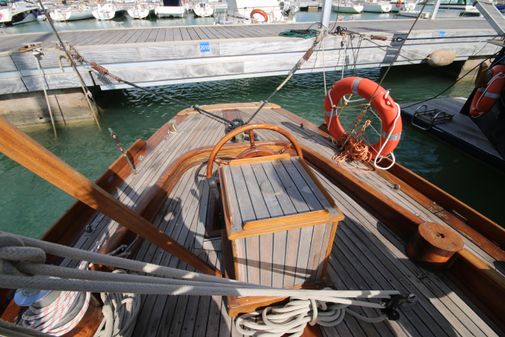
(325, 15)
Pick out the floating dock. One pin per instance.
(459, 129)
(174, 55)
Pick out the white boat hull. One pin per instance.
(170, 11)
(347, 8)
(104, 12)
(377, 7)
(139, 12)
(414, 14)
(18, 15)
(203, 9)
(70, 14)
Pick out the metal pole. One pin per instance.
(325, 15)
(37, 53)
(435, 10)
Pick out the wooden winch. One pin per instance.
(280, 224)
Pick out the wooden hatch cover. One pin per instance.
(280, 221)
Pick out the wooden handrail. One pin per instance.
(251, 128)
(27, 152)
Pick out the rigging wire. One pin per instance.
(397, 55)
(105, 72)
(306, 56)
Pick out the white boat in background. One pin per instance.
(170, 11)
(219, 7)
(72, 13)
(452, 8)
(18, 12)
(203, 9)
(106, 11)
(140, 11)
(400, 5)
(260, 11)
(347, 7)
(377, 7)
(413, 13)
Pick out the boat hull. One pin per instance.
(203, 10)
(139, 13)
(105, 12)
(11, 17)
(170, 11)
(377, 7)
(71, 14)
(351, 9)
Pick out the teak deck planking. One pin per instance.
(365, 255)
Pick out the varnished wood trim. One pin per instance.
(230, 135)
(71, 223)
(228, 219)
(284, 223)
(471, 233)
(256, 160)
(223, 106)
(475, 276)
(28, 153)
(473, 219)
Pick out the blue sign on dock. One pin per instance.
(204, 47)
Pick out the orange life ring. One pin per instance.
(388, 110)
(260, 12)
(486, 97)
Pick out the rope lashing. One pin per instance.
(292, 318)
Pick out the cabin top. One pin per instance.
(275, 187)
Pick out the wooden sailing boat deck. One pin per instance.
(366, 254)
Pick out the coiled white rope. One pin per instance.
(292, 318)
(120, 312)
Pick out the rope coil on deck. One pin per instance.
(292, 318)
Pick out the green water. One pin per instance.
(29, 205)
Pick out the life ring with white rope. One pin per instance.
(260, 12)
(485, 97)
(387, 109)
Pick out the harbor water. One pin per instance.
(30, 205)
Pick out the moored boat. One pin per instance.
(202, 9)
(375, 6)
(170, 11)
(18, 12)
(71, 13)
(347, 7)
(140, 11)
(106, 11)
(259, 11)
